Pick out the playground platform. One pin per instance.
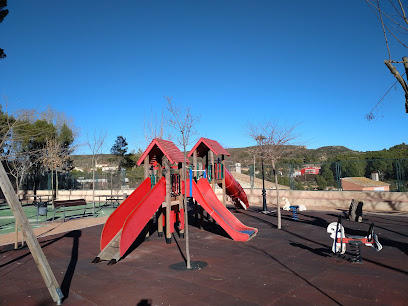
(292, 266)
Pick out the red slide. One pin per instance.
(206, 197)
(133, 214)
(235, 191)
(116, 220)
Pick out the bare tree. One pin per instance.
(391, 14)
(17, 164)
(273, 142)
(154, 127)
(55, 156)
(183, 121)
(17, 160)
(95, 144)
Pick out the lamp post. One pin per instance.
(260, 140)
(264, 208)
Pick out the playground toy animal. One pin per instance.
(340, 240)
(287, 205)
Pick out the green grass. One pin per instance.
(7, 220)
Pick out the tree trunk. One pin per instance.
(17, 185)
(56, 183)
(52, 185)
(186, 213)
(277, 194)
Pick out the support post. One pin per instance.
(224, 193)
(160, 211)
(212, 170)
(168, 199)
(32, 241)
(195, 163)
(146, 175)
(146, 167)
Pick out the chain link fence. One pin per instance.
(328, 175)
(106, 180)
(305, 176)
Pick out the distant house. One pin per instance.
(363, 184)
(297, 173)
(105, 167)
(310, 170)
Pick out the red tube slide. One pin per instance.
(235, 191)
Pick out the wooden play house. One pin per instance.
(213, 161)
(212, 156)
(164, 155)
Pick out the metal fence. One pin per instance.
(305, 176)
(85, 180)
(328, 175)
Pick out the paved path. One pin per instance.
(56, 227)
(292, 266)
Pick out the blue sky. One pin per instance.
(108, 65)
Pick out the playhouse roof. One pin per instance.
(159, 148)
(204, 145)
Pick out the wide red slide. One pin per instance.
(133, 214)
(143, 212)
(116, 220)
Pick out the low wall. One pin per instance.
(317, 200)
(321, 200)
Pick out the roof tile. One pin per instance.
(164, 147)
(203, 145)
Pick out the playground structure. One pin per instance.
(337, 233)
(217, 172)
(162, 194)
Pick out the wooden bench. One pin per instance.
(69, 205)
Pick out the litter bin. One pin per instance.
(42, 209)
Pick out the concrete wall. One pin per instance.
(319, 200)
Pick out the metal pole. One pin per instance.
(263, 187)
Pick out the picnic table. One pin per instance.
(111, 199)
(36, 198)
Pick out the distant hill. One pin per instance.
(295, 155)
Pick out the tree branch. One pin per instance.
(395, 72)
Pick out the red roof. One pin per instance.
(159, 148)
(204, 145)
